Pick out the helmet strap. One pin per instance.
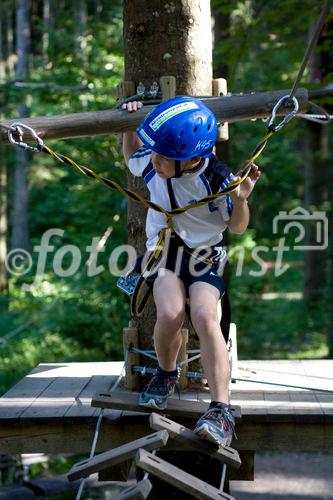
(178, 171)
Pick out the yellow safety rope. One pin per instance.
(140, 296)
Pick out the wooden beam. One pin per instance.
(224, 454)
(117, 455)
(230, 108)
(177, 477)
(126, 400)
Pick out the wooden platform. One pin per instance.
(49, 410)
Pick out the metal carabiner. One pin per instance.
(287, 118)
(18, 128)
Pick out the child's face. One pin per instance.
(165, 167)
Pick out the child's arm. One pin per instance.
(131, 141)
(240, 216)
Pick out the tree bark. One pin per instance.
(162, 39)
(315, 273)
(80, 14)
(2, 55)
(10, 57)
(20, 231)
(3, 221)
(46, 28)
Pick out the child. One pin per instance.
(172, 151)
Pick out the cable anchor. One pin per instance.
(17, 128)
(287, 118)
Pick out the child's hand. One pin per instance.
(244, 190)
(132, 106)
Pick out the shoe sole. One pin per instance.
(204, 432)
(152, 404)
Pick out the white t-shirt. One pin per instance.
(199, 226)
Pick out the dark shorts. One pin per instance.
(192, 266)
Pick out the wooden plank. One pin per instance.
(15, 401)
(57, 398)
(224, 454)
(178, 478)
(306, 406)
(326, 405)
(81, 406)
(176, 407)
(139, 491)
(117, 455)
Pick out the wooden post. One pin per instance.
(182, 356)
(233, 354)
(168, 87)
(219, 89)
(131, 339)
(125, 89)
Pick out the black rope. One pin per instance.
(311, 45)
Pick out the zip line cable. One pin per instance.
(313, 42)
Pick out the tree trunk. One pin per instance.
(221, 70)
(20, 231)
(315, 261)
(161, 39)
(80, 13)
(10, 41)
(46, 28)
(2, 55)
(3, 221)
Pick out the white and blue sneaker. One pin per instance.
(159, 389)
(216, 425)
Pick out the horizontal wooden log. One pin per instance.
(177, 477)
(230, 108)
(117, 455)
(224, 454)
(177, 407)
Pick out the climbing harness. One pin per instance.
(138, 286)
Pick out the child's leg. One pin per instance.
(214, 355)
(169, 296)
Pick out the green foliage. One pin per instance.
(262, 47)
(80, 317)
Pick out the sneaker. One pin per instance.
(158, 390)
(216, 425)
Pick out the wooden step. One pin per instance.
(117, 455)
(177, 477)
(126, 400)
(224, 454)
(138, 491)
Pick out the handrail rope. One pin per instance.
(98, 426)
(323, 117)
(311, 45)
(140, 297)
(151, 356)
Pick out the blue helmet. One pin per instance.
(180, 129)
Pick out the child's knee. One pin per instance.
(204, 319)
(170, 319)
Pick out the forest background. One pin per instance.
(73, 62)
